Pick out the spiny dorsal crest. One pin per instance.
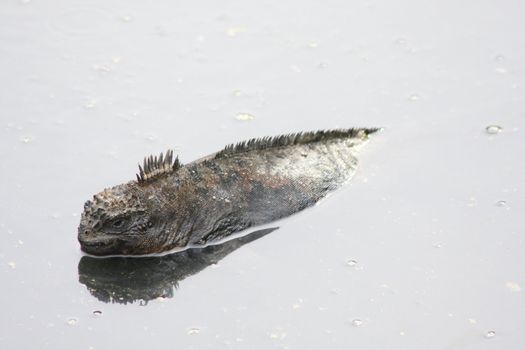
(155, 166)
(294, 139)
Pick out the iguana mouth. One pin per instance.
(99, 247)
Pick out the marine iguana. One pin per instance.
(250, 183)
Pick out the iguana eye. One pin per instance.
(117, 223)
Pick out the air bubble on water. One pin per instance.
(322, 65)
(278, 334)
(312, 45)
(97, 313)
(90, 104)
(501, 203)
(151, 137)
(297, 305)
(499, 58)
(490, 334)
(357, 322)
(501, 70)
(26, 139)
(193, 331)
(233, 31)
(103, 68)
(472, 202)
(493, 129)
(72, 321)
(401, 41)
(351, 262)
(513, 286)
(244, 116)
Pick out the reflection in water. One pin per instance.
(125, 280)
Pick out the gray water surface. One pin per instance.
(422, 250)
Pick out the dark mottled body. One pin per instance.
(245, 185)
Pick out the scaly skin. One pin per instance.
(242, 186)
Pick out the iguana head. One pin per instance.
(128, 219)
(117, 221)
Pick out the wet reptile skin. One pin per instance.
(255, 182)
